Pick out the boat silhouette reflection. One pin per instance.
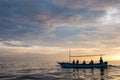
(89, 74)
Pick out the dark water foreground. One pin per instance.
(46, 70)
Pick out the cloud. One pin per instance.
(61, 23)
(89, 4)
(13, 43)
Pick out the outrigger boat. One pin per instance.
(70, 64)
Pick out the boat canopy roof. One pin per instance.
(89, 55)
(70, 56)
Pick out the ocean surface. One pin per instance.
(35, 68)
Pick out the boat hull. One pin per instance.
(71, 65)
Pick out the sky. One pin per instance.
(54, 26)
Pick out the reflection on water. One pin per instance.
(89, 74)
(52, 72)
(45, 70)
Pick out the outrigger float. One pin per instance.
(70, 64)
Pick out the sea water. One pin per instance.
(35, 68)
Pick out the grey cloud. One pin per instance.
(89, 4)
(17, 18)
(31, 21)
(21, 18)
(13, 43)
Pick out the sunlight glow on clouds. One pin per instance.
(110, 17)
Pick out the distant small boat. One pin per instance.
(83, 65)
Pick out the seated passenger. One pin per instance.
(84, 62)
(73, 62)
(77, 62)
(91, 62)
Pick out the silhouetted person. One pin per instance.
(84, 62)
(77, 62)
(101, 60)
(91, 62)
(73, 62)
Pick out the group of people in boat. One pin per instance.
(84, 62)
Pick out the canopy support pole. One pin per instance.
(69, 56)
